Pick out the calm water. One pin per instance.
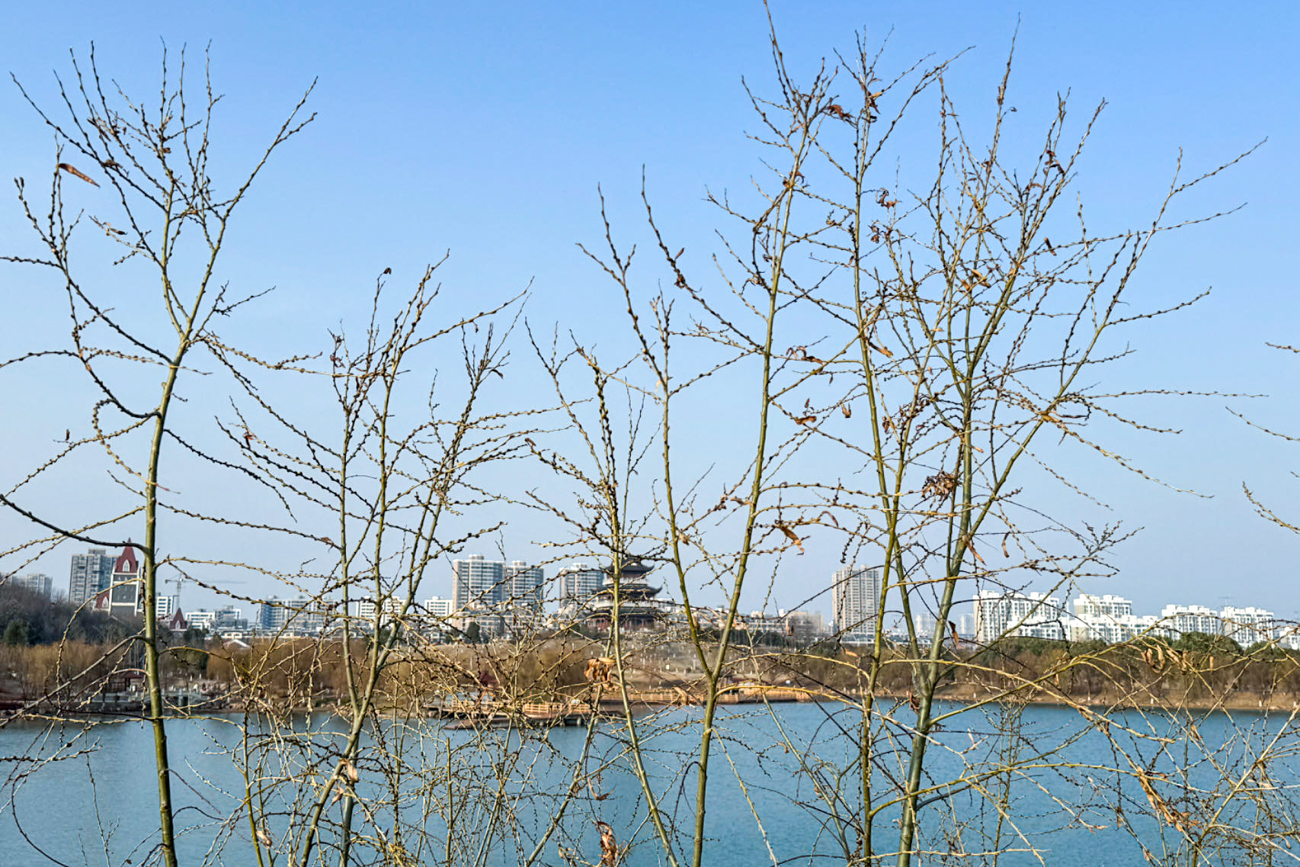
(56, 814)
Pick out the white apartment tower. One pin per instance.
(579, 584)
(495, 594)
(855, 597)
(1033, 615)
(1248, 626)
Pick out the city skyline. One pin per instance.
(682, 114)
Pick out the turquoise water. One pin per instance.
(93, 801)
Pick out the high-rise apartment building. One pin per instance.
(164, 606)
(1108, 618)
(91, 574)
(578, 586)
(855, 597)
(1088, 605)
(1248, 626)
(1177, 620)
(496, 595)
(524, 589)
(298, 617)
(1033, 615)
(35, 582)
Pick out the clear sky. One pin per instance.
(484, 129)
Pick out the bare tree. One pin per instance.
(942, 332)
(168, 220)
(914, 326)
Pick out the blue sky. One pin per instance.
(484, 129)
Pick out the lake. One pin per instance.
(782, 786)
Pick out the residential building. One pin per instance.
(521, 603)
(855, 597)
(1010, 612)
(1248, 626)
(1178, 620)
(35, 582)
(91, 574)
(805, 627)
(476, 591)
(164, 606)
(759, 624)
(966, 626)
(203, 619)
(298, 617)
(221, 621)
(438, 608)
(1087, 605)
(496, 595)
(578, 586)
(1108, 618)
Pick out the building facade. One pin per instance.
(630, 601)
(497, 596)
(294, 617)
(35, 582)
(578, 586)
(124, 596)
(91, 574)
(1010, 612)
(1248, 626)
(1178, 620)
(855, 597)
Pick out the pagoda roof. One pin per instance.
(633, 569)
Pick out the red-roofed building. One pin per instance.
(126, 562)
(177, 622)
(126, 594)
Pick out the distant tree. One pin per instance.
(474, 634)
(1205, 643)
(16, 633)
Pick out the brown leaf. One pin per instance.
(844, 408)
(956, 639)
(791, 535)
(388, 270)
(805, 419)
(75, 172)
(608, 845)
(827, 513)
